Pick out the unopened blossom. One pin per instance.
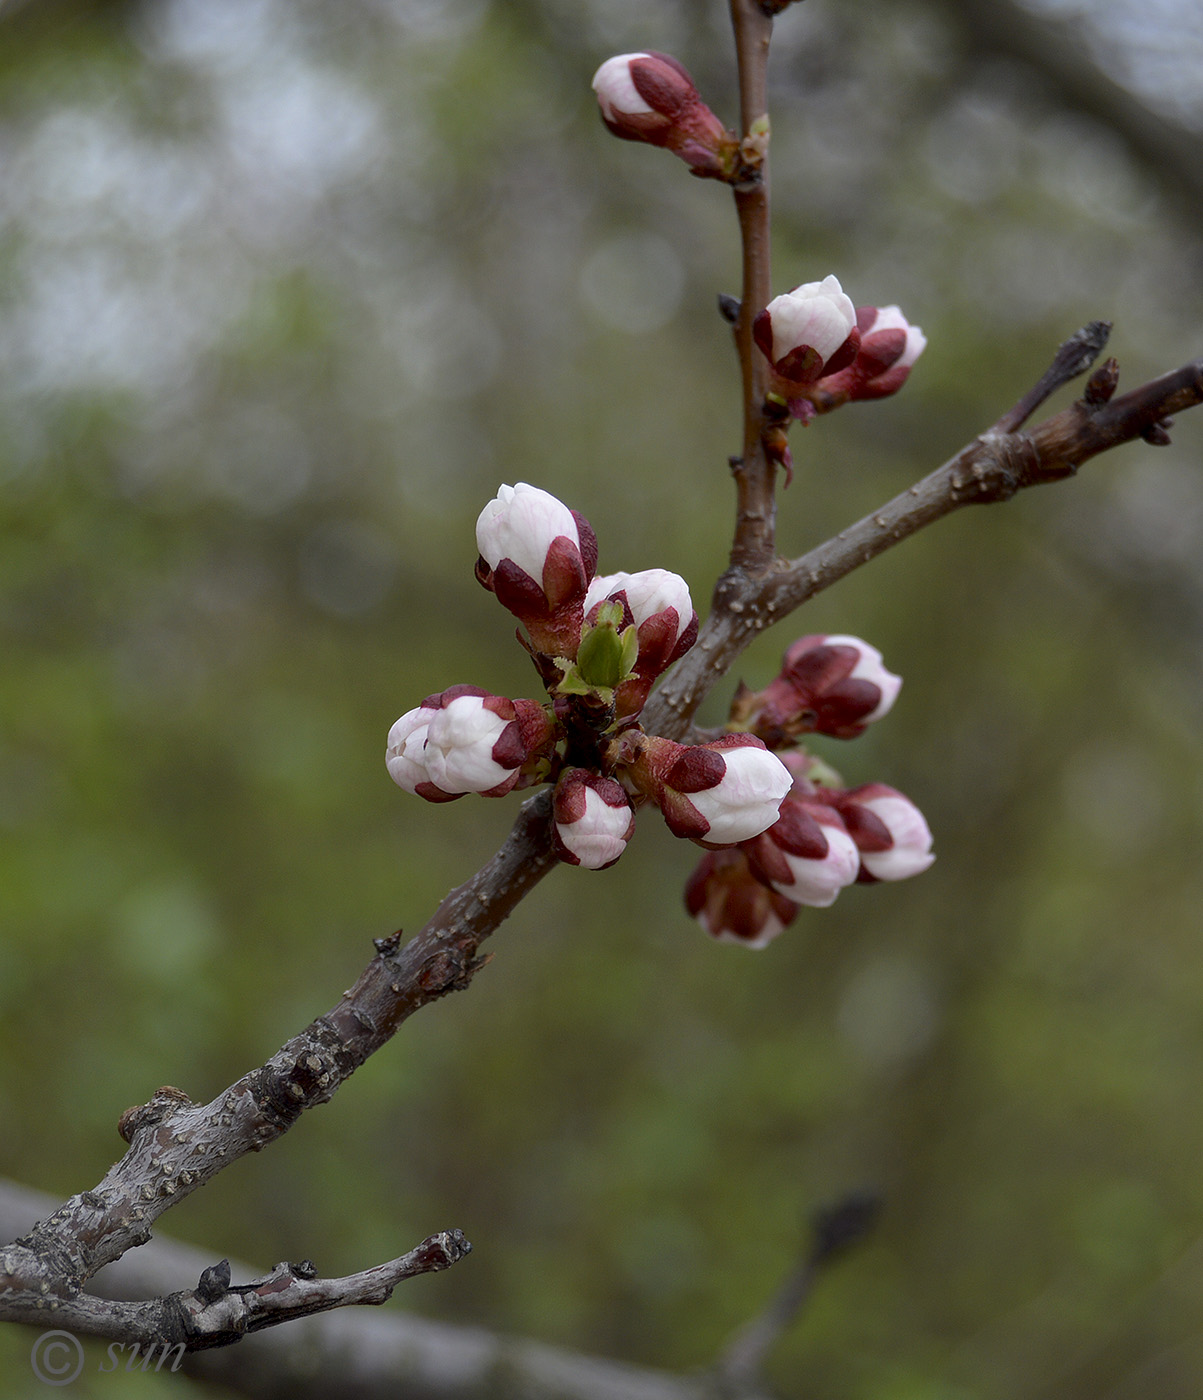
(466, 740)
(890, 832)
(537, 556)
(731, 904)
(889, 346)
(716, 794)
(651, 97)
(807, 855)
(593, 819)
(808, 332)
(657, 604)
(829, 683)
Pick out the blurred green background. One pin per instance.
(286, 291)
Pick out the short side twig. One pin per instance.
(217, 1312)
(177, 1146)
(834, 1229)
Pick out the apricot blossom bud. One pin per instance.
(808, 332)
(537, 556)
(731, 904)
(466, 740)
(890, 832)
(807, 855)
(716, 794)
(651, 97)
(889, 346)
(829, 684)
(594, 819)
(659, 607)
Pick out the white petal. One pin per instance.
(404, 755)
(615, 88)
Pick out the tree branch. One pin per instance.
(365, 1355)
(177, 1146)
(755, 520)
(990, 469)
(217, 1312)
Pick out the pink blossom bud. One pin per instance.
(890, 832)
(651, 97)
(594, 819)
(715, 794)
(734, 906)
(808, 332)
(807, 855)
(829, 684)
(660, 609)
(466, 740)
(537, 556)
(889, 346)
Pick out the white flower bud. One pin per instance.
(911, 852)
(817, 881)
(801, 331)
(459, 747)
(520, 524)
(649, 593)
(747, 798)
(869, 667)
(593, 819)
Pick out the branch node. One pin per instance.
(1155, 434)
(1102, 383)
(214, 1282)
(163, 1102)
(385, 946)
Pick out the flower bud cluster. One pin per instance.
(599, 644)
(826, 837)
(825, 352)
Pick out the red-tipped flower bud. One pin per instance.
(466, 740)
(734, 906)
(808, 332)
(889, 346)
(651, 97)
(829, 684)
(716, 794)
(537, 556)
(890, 832)
(594, 819)
(659, 607)
(807, 855)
